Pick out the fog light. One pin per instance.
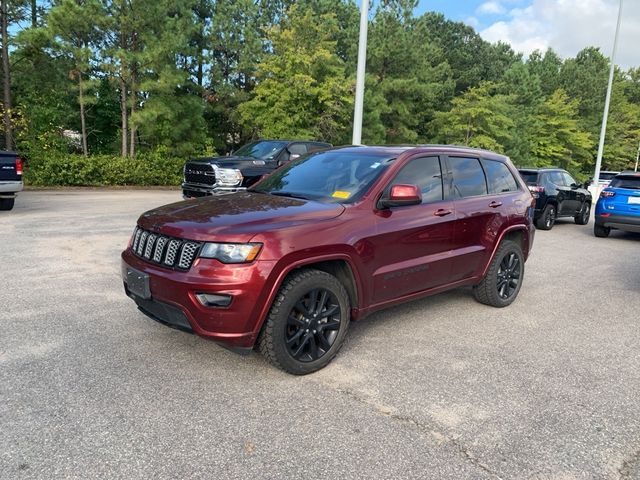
(213, 300)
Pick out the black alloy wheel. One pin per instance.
(502, 283)
(582, 218)
(307, 323)
(509, 273)
(312, 325)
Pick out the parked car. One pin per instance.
(557, 195)
(605, 178)
(11, 166)
(619, 206)
(331, 238)
(221, 175)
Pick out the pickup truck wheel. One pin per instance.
(582, 218)
(503, 280)
(7, 203)
(307, 322)
(547, 219)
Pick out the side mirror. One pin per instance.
(588, 183)
(402, 195)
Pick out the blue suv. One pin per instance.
(619, 205)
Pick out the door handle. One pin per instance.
(495, 204)
(442, 212)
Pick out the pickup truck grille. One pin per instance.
(200, 173)
(165, 251)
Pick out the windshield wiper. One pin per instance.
(280, 193)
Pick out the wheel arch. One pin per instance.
(340, 266)
(517, 234)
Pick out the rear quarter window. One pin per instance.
(499, 177)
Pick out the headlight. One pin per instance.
(231, 252)
(229, 177)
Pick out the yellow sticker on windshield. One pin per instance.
(341, 194)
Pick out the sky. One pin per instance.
(567, 26)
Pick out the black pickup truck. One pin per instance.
(219, 175)
(10, 178)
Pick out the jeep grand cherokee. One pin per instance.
(330, 238)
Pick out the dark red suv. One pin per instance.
(330, 238)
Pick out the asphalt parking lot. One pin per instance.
(444, 387)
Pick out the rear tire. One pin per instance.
(307, 323)
(600, 231)
(547, 219)
(582, 218)
(501, 285)
(7, 203)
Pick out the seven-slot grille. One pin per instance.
(166, 251)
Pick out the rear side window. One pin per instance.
(499, 177)
(467, 177)
(426, 173)
(298, 148)
(631, 182)
(556, 178)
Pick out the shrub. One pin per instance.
(147, 168)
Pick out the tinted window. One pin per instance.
(530, 178)
(607, 175)
(632, 182)
(556, 178)
(467, 177)
(424, 172)
(297, 148)
(568, 179)
(499, 177)
(334, 176)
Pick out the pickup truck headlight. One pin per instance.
(228, 177)
(231, 252)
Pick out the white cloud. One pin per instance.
(568, 26)
(492, 7)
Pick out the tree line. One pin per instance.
(197, 77)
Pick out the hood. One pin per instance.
(230, 162)
(236, 217)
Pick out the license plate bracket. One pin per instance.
(634, 200)
(138, 283)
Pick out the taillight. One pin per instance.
(607, 194)
(18, 166)
(536, 190)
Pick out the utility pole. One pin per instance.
(637, 157)
(362, 61)
(607, 102)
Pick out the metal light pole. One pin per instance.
(607, 102)
(362, 60)
(637, 157)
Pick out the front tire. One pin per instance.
(582, 218)
(7, 203)
(307, 322)
(501, 285)
(547, 219)
(600, 231)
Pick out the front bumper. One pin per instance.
(173, 298)
(627, 223)
(191, 190)
(10, 187)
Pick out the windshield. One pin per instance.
(631, 182)
(530, 178)
(335, 176)
(262, 150)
